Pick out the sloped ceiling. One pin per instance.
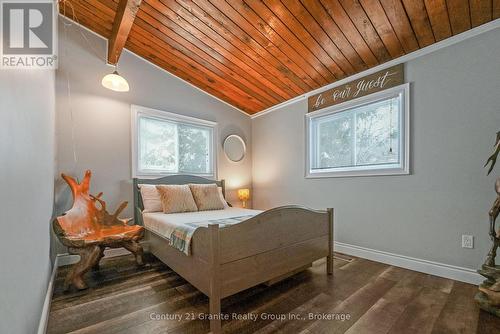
(254, 54)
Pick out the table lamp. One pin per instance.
(244, 195)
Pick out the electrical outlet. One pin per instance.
(467, 241)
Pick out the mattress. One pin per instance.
(165, 223)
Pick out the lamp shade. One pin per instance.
(243, 194)
(115, 82)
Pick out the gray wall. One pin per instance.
(27, 118)
(455, 113)
(102, 117)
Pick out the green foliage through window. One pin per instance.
(171, 147)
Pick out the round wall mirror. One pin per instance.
(234, 147)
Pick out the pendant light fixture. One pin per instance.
(115, 82)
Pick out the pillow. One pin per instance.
(176, 198)
(150, 198)
(222, 198)
(207, 196)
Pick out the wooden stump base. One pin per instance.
(135, 248)
(89, 259)
(485, 304)
(488, 297)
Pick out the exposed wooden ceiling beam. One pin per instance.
(124, 18)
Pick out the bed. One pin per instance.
(224, 260)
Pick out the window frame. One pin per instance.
(140, 111)
(404, 145)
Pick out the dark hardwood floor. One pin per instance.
(362, 297)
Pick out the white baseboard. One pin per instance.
(66, 259)
(461, 274)
(429, 267)
(44, 318)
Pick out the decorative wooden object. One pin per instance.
(87, 229)
(488, 296)
(367, 85)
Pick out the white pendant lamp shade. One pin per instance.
(115, 82)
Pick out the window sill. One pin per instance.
(390, 172)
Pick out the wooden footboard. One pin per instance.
(264, 248)
(269, 245)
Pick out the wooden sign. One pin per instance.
(372, 83)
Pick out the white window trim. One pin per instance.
(137, 111)
(376, 171)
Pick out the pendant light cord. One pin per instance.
(68, 87)
(65, 4)
(80, 29)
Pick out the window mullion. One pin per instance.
(177, 141)
(354, 137)
(317, 146)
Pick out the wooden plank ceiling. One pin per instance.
(254, 54)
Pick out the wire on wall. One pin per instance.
(66, 23)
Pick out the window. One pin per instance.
(166, 143)
(366, 136)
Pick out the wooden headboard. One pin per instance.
(171, 179)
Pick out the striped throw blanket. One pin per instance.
(182, 234)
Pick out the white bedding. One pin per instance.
(165, 223)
